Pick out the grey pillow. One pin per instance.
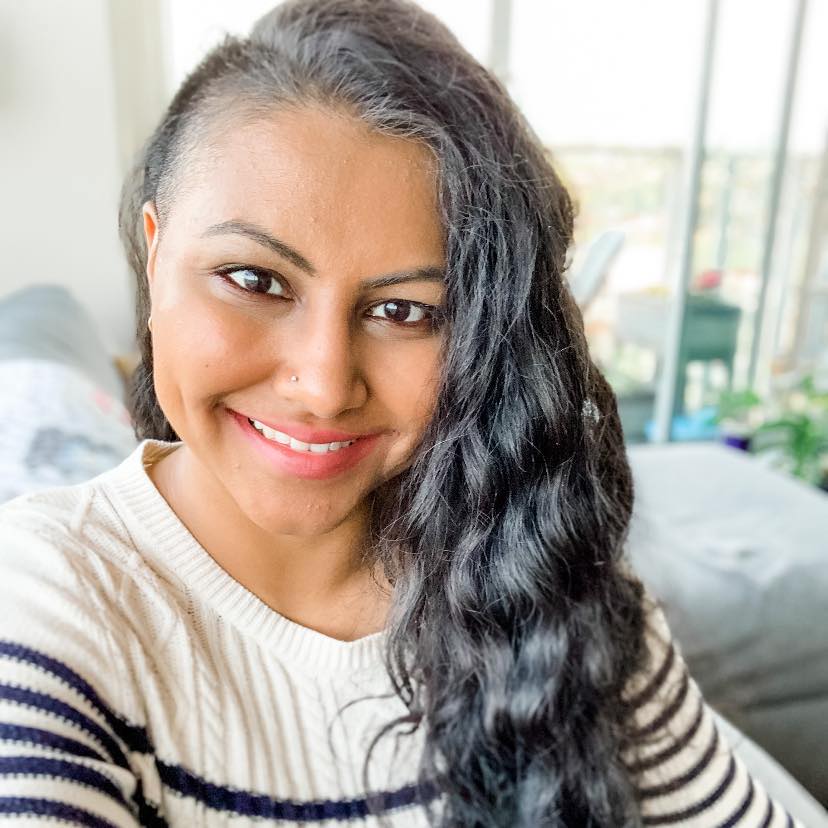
(45, 321)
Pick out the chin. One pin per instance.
(299, 529)
(299, 517)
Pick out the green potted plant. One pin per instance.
(798, 436)
(738, 415)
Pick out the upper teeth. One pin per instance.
(297, 445)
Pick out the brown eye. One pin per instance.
(400, 311)
(255, 281)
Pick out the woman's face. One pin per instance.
(303, 245)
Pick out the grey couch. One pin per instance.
(738, 553)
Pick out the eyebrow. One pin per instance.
(262, 237)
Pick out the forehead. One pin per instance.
(324, 180)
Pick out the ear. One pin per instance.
(151, 237)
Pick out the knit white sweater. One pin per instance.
(141, 684)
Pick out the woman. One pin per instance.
(367, 564)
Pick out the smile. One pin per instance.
(298, 458)
(297, 445)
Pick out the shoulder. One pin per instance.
(61, 540)
(81, 530)
(73, 586)
(55, 582)
(70, 715)
(683, 769)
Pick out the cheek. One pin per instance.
(406, 383)
(202, 351)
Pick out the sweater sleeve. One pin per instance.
(64, 745)
(685, 772)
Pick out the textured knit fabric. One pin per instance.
(140, 684)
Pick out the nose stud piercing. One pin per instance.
(294, 378)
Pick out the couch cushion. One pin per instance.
(45, 321)
(738, 554)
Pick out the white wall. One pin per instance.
(63, 145)
(194, 26)
(82, 83)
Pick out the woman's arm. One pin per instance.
(64, 743)
(686, 772)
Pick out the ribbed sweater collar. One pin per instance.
(162, 538)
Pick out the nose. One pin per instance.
(320, 351)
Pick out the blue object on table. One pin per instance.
(698, 425)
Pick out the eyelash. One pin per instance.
(225, 272)
(434, 316)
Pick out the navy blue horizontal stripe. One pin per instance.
(768, 814)
(148, 815)
(56, 707)
(62, 769)
(47, 739)
(244, 803)
(28, 806)
(134, 736)
(404, 797)
(654, 684)
(173, 776)
(667, 713)
(736, 818)
(147, 812)
(697, 807)
(673, 749)
(684, 779)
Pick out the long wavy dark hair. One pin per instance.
(515, 623)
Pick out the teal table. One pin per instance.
(710, 332)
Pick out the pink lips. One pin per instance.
(309, 435)
(306, 464)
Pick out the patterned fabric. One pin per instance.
(56, 427)
(141, 685)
